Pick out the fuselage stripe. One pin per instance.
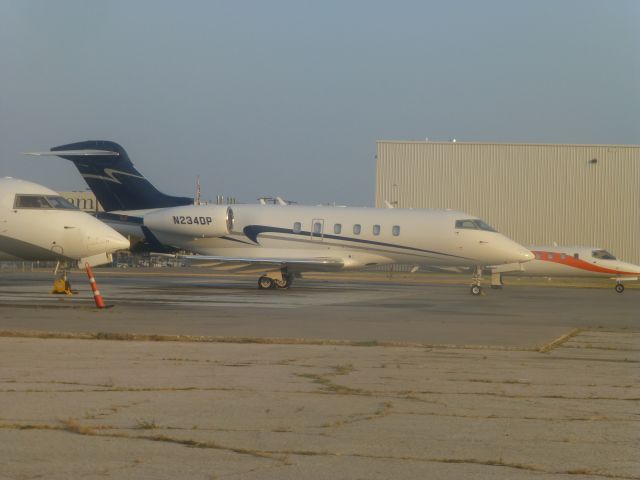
(252, 232)
(231, 239)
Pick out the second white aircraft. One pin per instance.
(283, 241)
(568, 261)
(36, 223)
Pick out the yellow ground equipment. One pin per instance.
(61, 286)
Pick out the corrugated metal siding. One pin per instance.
(535, 194)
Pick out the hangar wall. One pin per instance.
(83, 199)
(534, 193)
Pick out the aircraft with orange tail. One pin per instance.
(559, 261)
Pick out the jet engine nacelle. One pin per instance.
(193, 220)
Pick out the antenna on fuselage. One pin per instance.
(196, 197)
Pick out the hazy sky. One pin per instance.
(289, 97)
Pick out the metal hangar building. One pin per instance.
(536, 194)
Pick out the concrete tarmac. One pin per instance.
(431, 309)
(125, 409)
(354, 378)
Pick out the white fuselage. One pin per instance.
(358, 236)
(42, 227)
(561, 261)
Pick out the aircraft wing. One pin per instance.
(238, 264)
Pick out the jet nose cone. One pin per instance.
(518, 253)
(630, 267)
(116, 242)
(527, 255)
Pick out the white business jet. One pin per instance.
(282, 241)
(564, 261)
(36, 223)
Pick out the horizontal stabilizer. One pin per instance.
(75, 153)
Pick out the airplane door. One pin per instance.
(57, 250)
(317, 229)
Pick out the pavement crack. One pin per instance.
(473, 461)
(129, 389)
(546, 348)
(328, 386)
(533, 397)
(283, 456)
(71, 425)
(594, 418)
(383, 410)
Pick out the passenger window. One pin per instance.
(297, 227)
(356, 229)
(376, 229)
(563, 256)
(576, 256)
(395, 230)
(337, 228)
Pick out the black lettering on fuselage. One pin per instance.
(189, 220)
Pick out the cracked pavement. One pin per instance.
(142, 409)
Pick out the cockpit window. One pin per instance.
(474, 224)
(31, 201)
(42, 201)
(485, 226)
(466, 224)
(60, 203)
(602, 255)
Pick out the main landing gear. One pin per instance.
(282, 281)
(476, 282)
(619, 287)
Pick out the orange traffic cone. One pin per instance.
(94, 287)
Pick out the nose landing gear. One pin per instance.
(476, 282)
(619, 287)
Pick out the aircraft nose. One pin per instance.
(115, 242)
(518, 253)
(630, 267)
(109, 240)
(527, 256)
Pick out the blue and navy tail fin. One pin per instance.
(116, 183)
